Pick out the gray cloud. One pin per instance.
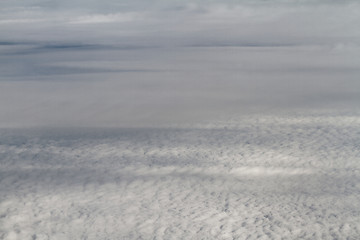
(133, 63)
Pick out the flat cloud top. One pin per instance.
(136, 63)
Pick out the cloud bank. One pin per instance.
(136, 63)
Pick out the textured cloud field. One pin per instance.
(179, 119)
(258, 177)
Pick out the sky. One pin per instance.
(157, 63)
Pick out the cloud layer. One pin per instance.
(267, 176)
(132, 63)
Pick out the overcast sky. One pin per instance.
(144, 63)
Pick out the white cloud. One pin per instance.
(106, 18)
(286, 74)
(274, 176)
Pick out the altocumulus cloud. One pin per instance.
(224, 119)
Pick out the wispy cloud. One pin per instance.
(106, 18)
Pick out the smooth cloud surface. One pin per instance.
(136, 63)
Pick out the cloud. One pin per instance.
(175, 61)
(106, 18)
(272, 173)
